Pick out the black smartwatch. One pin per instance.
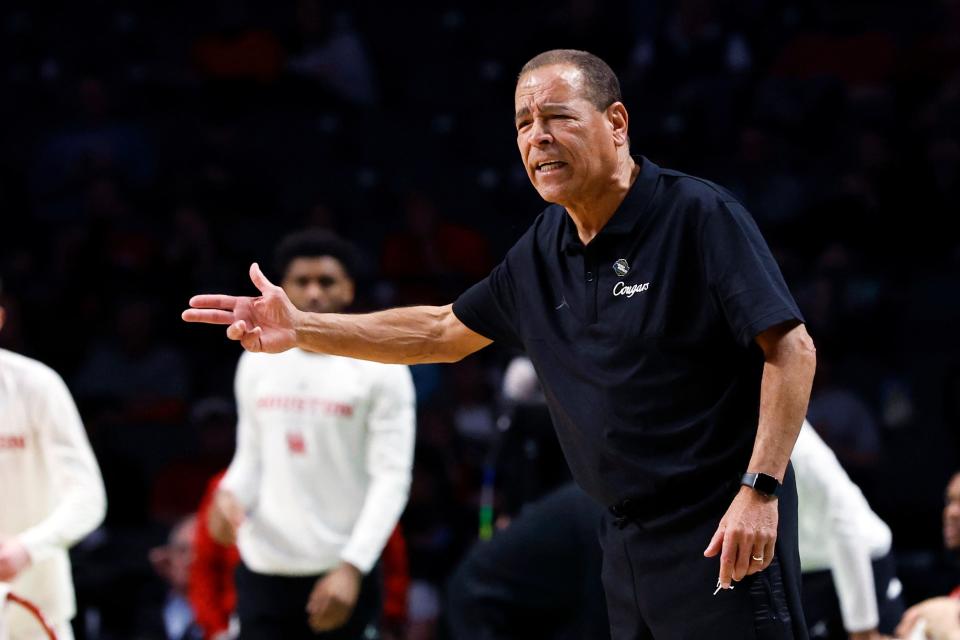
(765, 484)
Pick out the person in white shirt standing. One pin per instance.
(850, 588)
(322, 468)
(53, 493)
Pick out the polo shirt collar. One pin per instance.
(628, 214)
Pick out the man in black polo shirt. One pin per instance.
(673, 357)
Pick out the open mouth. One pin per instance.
(549, 166)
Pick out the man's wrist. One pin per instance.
(752, 494)
(299, 322)
(351, 569)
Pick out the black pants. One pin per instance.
(660, 587)
(822, 606)
(273, 607)
(537, 579)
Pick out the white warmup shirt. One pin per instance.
(838, 530)
(52, 492)
(323, 462)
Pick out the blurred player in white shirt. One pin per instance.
(849, 583)
(322, 468)
(53, 493)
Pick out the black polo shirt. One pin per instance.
(644, 338)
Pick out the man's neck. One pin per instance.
(594, 211)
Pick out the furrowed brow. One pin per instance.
(550, 108)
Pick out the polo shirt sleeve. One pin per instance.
(489, 307)
(742, 274)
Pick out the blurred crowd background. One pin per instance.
(150, 151)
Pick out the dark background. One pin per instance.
(150, 151)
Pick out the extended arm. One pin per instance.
(270, 322)
(408, 335)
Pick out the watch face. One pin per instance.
(763, 483)
(766, 484)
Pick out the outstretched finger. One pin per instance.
(213, 301)
(259, 280)
(210, 316)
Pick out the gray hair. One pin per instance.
(601, 87)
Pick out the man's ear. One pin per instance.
(3, 316)
(619, 122)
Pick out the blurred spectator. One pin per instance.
(134, 378)
(11, 336)
(765, 178)
(940, 616)
(857, 59)
(175, 620)
(951, 518)
(95, 145)
(329, 50)
(206, 446)
(430, 251)
(846, 423)
(940, 612)
(238, 49)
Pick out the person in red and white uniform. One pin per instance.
(53, 493)
(322, 468)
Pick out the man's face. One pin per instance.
(3, 316)
(569, 148)
(951, 515)
(318, 284)
(181, 555)
(172, 561)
